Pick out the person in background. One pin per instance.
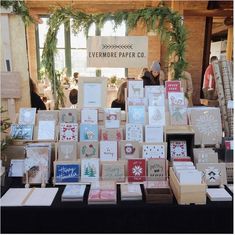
(120, 101)
(75, 77)
(187, 85)
(209, 80)
(142, 72)
(73, 97)
(36, 101)
(153, 76)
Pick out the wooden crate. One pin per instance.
(159, 195)
(187, 194)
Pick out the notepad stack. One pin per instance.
(73, 192)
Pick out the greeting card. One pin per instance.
(153, 90)
(156, 169)
(27, 116)
(157, 115)
(66, 172)
(68, 115)
(69, 131)
(134, 132)
(46, 130)
(172, 86)
(178, 148)
(136, 114)
(156, 99)
(89, 132)
(90, 169)
(48, 115)
(178, 115)
(129, 149)
(111, 134)
(176, 98)
(21, 131)
(131, 192)
(154, 150)
(136, 170)
(135, 88)
(136, 101)
(153, 134)
(89, 149)
(67, 151)
(113, 171)
(108, 150)
(89, 116)
(112, 117)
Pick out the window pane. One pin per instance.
(108, 29)
(60, 37)
(42, 31)
(60, 59)
(79, 63)
(109, 72)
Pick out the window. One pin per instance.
(72, 49)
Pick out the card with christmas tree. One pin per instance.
(90, 169)
(89, 132)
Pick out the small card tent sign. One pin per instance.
(10, 85)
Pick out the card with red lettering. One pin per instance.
(136, 170)
(172, 86)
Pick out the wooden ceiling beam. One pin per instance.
(208, 13)
(219, 29)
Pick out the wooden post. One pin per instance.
(229, 49)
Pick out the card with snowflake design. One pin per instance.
(69, 131)
(136, 114)
(178, 148)
(134, 132)
(136, 170)
(154, 150)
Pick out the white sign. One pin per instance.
(117, 52)
(92, 94)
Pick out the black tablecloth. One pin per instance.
(124, 217)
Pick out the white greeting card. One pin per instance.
(153, 134)
(136, 101)
(135, 88)
(156, 99)
(150, 90)
(178, 148)
(27, 116)
(90, 169)
(134, 132)
(46, 130)
(178, 115)
(157, 115)
(154, 150)
(136, 114)
(176, 98)
(112, 117)
(89, 116)
(48, 115)
(69, 131)
(92, 95)
(16, 168)
(108, 150)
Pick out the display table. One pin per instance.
(125, 217)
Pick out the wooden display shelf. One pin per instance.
(187, 194)
(209, 103)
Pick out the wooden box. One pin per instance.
(159, 195)
(187, 194)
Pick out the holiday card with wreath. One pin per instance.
(89, 116)
(89, 149)
(89, 132)
(67, 151)
(112, 117)
(115, 134)
(90, 169)
(69, 131)
(136, 170)
(129, 149)
(68, 116)
(178, 149)
(108, 150)
(134, 132)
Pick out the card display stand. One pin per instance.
(187, 194)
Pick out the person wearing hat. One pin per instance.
(154, 76)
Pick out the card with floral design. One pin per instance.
(156, 169)
(27, 116)
(136, 114)
(90, 169)
(68, 115)
(69, 131)
(136, 170)
(134, 132)
(178, 115)
(154, 150)
(89, 149)
(153, 134)
(67, 151)
(178, 148)
(129, 149)
(176, 98)
(213, 173)
(157, 115)
(111, 134)
(89, 132)
(89, 116)
(135, 88)
(21, 131)
(112, 117)
(108, 150)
